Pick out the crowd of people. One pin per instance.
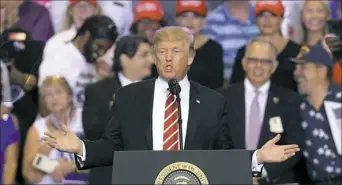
(276, 65)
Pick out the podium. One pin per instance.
(182, 167)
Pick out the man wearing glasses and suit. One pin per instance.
(258, 110)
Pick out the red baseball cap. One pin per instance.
(73, 2)
(276, 7)
(197, 6)
(148, 9)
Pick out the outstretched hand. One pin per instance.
(63, 139)
(272, 153)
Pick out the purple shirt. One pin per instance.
(35, 19)
(8, 135)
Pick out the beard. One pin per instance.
(302, 90)
(88, 53)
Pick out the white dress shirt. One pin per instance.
(124, 80)
(160, 95)
(262, 99)
(249, 97)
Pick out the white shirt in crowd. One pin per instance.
(120, 11)
(70, 63)
(262, 99)
(75, 125)
(5, 85)
(160, 94)
(57, 41)
(249, 97)
(124, 80)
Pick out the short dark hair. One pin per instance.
(126, 45)
(99, 27)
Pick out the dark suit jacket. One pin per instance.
(130, 128)
(99, 98)
(96, 111)
(287, 108)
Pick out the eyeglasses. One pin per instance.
(264, 62)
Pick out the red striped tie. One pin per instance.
(171, 136)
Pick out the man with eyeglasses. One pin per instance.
(259, 110)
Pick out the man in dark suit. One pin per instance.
(145, 114)
(132, 62)
(258, 110)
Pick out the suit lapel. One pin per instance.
(271, 110)
(194, 116)
(240, 127)
(148, 111)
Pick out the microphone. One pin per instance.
(175, 89)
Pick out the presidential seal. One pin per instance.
(181, 173)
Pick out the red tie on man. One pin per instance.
(171, 136)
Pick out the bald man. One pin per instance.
(258, 110)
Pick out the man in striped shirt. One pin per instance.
(232, 25)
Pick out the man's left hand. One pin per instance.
(272, 153)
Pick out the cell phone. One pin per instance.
(44, 163)
(335, 27)
(19, 36)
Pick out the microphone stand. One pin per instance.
(180, 122)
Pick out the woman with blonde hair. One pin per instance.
(77, 12)
(58, 98)
(314, 17)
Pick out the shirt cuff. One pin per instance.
(81, 158)
(256, 169)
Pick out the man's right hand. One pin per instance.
(64, 140)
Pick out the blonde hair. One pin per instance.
(49, 81)
(68, 20)
(174, 33)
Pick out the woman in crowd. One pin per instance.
(58, 98)
(269, 16)
(9, 140)
(207, 68)
(77, 12)
(314, 17)
(148, 18)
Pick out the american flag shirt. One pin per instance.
(322, 160)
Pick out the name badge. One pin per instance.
(275, 125)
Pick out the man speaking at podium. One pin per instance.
(147, 116)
